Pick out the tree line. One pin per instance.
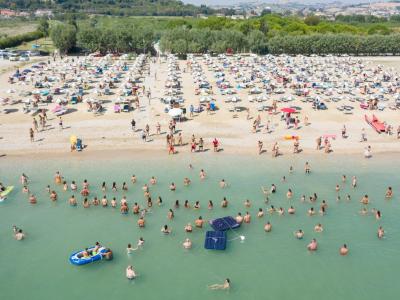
(269, 34)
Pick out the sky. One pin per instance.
(224, 2)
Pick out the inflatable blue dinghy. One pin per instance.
(78, 259)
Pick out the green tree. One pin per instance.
(43, 26)
(63, 36)
(312, 20)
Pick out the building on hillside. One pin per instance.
(202, 16)
(7, 13)
(237, 17)
(43, 13)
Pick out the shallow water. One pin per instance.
(264, 265)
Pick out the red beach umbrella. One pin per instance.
(288, 110)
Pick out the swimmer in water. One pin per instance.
(226, 285)
(290, 169)
(129, 249)
(381, 232)
(24, 179)
(337, 188)
(313, 245)
(53, 196)
(188, 228)
(186, 181)
(281, 211)
(307, 168)
(72, 201)
(166, 230)
(210, 204)
(303, 198)
(73, 186)
(273, 188)
(318, 228)
(344, 178)
(247, 203)
(130, 273)
(291, 210)
(222, 184)
(170, 214)
(133, 179)
(268, 227)
(57, 178)
(187, 244)
(199, 222)
(239, 218)
(272, 209)
(172, 187)
(344, 250)
(202, 174)
(18, 233)
(311, 212)
(25, 189)
(363, 211)
(365, 200)
(289, 194)
(378, 214)
(153, 180)
(141, 222)
(389, 193)
(32, 199)
(299, 234)
(224, 203)
(354, 182)
(260, 213)
(247, 217)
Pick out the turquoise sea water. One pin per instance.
(266, 265)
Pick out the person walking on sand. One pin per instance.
(344, 132)
(319, 143)
(31, 135)
(260, 146)
(35, 125)
(60, 123)
(133, 124)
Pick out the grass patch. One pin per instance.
(46, 44)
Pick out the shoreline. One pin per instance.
(156, 154)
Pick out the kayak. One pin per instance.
(7, 191)
(291, 137)
(78, 259)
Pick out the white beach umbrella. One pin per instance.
(175, 112)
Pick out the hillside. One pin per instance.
(112, 7)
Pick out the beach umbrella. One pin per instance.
(288, 110)
(175, 112)
(73, 139)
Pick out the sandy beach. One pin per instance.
(112, 131)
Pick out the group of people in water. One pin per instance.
(142, 211)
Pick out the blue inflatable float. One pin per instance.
(215, 240)
(78, 259)
(223, 224)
